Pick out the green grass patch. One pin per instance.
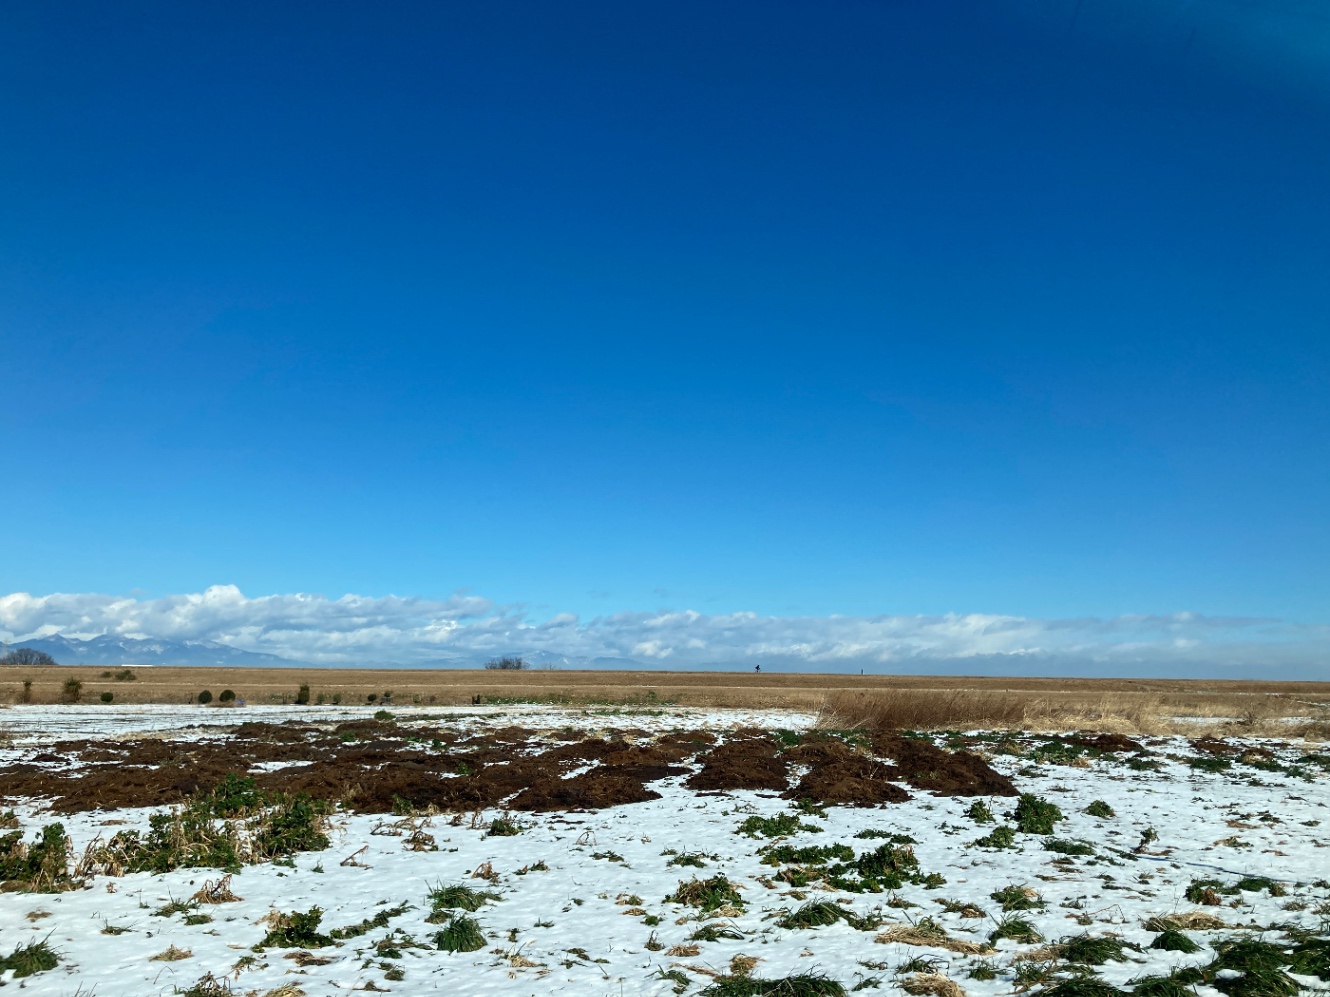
(379, 920)
(503, 827)
(709, 894)
(1094, 950)
(1101, 810)
(979, 812)
(461, 934)
(1065, 846)
(780, 826)
(821, 913)
(1018, 897)
(999, 837)
(1018, 929)
(1173, 940)
(892, 836)
(716, 933)
(1034, 815)
(232, 825)
(30, 959)
(445, 899)
(803, 985)
(297, 930)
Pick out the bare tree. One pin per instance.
(26, 656)
(506, 664)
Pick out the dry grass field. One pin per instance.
(884, 701)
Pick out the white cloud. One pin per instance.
(465, 628)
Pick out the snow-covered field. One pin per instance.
(580, 897)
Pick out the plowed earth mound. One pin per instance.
(373, 767)
(748, 763)
(946, 773)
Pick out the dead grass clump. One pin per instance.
(1192, 920)
(172, 954)
(216, 893)
(921, 709)
(928, 933)
(686, 950)
(932, 984)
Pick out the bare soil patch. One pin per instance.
(381, 767)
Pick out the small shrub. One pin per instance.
(227, 696)
(460, 934)
(125, 675)
(71, 690)
(205, 697)
(1035, 816)
(302, 695)
(1101, 810)
(1210, 763)
(107, 697)
(383, 716)
(41, 866)
(373, 697)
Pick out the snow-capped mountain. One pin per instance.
(107, 650)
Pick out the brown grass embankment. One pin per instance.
(1257, 712)
(896, 701)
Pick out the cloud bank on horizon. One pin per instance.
(464, 629)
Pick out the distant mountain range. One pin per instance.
(106, 650)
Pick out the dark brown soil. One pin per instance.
(372, 767)
(748, 763)
(1106, 742)
(854, 780)
(945, 773)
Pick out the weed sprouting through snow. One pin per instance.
(803, 985)
(709, 894)
(460, 934)
(445, 899)
(1035, 816)
(27, 960)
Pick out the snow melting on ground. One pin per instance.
(594, 920)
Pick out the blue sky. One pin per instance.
(859, 309)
